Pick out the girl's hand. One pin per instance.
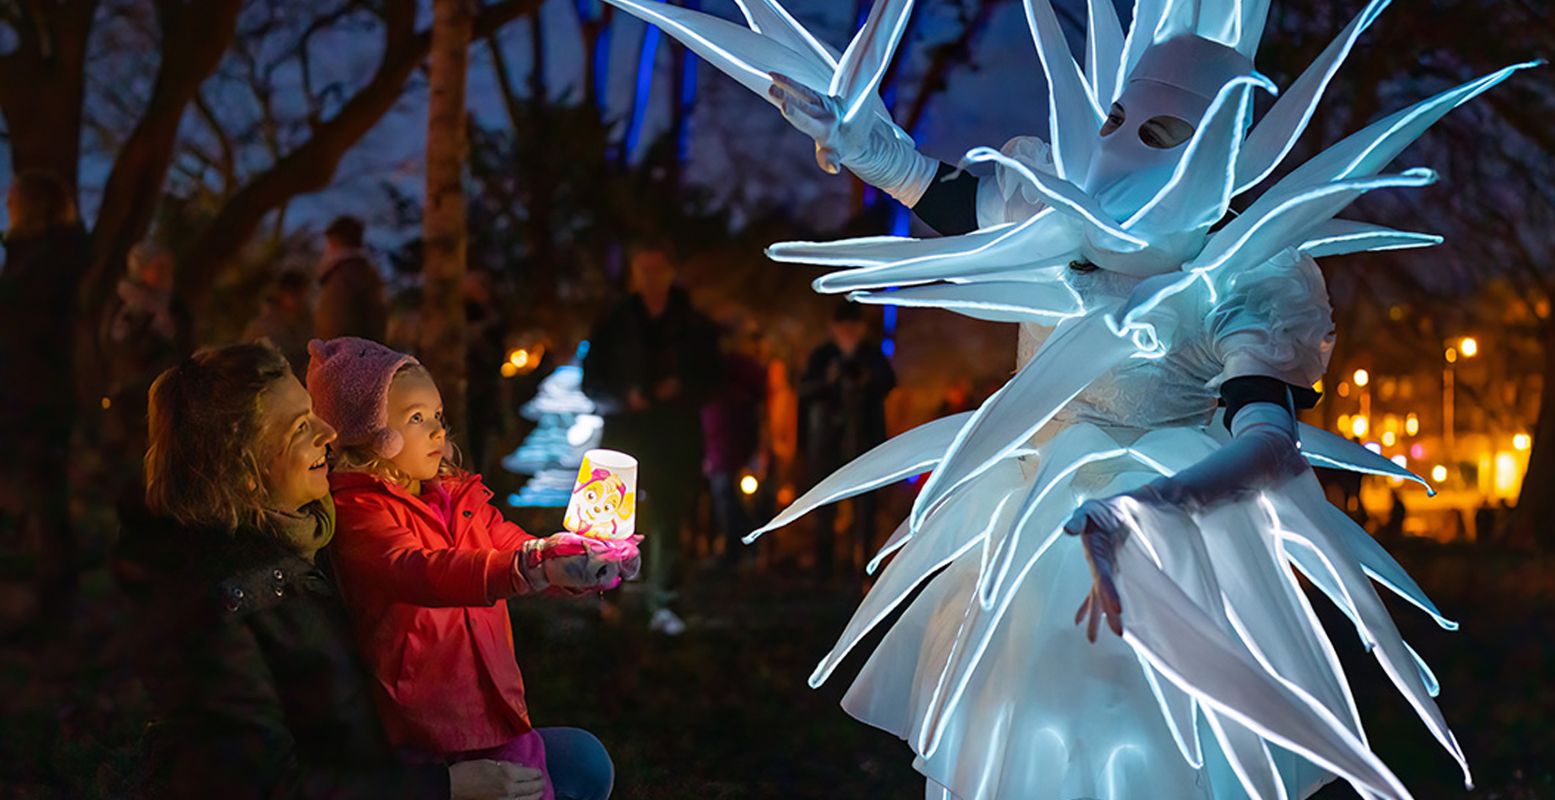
(576, 564)
(494, 780)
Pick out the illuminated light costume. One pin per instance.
(1137, 314)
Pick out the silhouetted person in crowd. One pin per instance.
(351, 299)
(842, 413)
(286, 319)
(652, 361)
(731, 427)
(47, 255)
(1393, 528)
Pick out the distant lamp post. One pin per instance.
(1468, 346)
(1439, 473)
(1522, 441)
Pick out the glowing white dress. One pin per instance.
(985, 672)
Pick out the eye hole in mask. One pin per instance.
(1164, 132)
(1114, 121)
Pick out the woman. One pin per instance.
(239, 635)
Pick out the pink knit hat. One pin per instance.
(349, 380)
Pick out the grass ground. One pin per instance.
(724, 712)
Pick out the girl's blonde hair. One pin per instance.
(204, 420)
(362, 458)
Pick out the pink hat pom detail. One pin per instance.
(388, 443)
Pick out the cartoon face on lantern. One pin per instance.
(603, 504)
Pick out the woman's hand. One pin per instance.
(494, 780)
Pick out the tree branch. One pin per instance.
(311, 166)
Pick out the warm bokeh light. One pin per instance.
(1522, 441)
(1469, 347)
(1400, 460)
(519, 358)
(508, 370)
(1359, 425)
(1438, 473)
(1507, 477)
(1343, 389)
(1417, 451)
(1452, 354)
(1389, 438)
(1361, 377)
(1318, 387)
(1411, 425)
(749, 484)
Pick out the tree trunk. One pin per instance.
(42, 86)
(445, 235)
(1536, 503)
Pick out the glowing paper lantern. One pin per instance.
(604, 498)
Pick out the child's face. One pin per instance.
(292, 442)
(416, 413)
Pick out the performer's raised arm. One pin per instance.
(881, 155)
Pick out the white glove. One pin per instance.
(1262, 453)
(878, 152)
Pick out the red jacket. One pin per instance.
(426, 606)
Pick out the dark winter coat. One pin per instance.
(352, 300)
(631, 349)
(842, 402)
(248, 657)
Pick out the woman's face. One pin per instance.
(416, 413)
(292, 446)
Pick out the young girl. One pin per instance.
(425, 560)
(239, 638)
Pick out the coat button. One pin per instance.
(234, 598)
(278, 575)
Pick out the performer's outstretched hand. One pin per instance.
(1100, 526)
(1103, 525)
(872, 148)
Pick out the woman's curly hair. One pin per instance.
(202, 468)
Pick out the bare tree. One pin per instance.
(445, 235)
